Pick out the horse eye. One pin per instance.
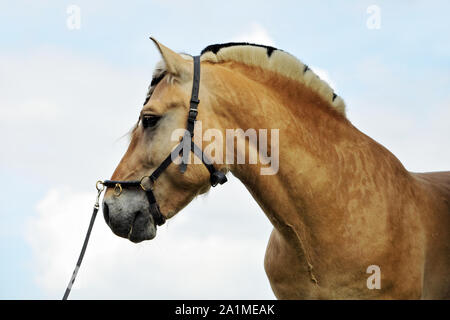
(150, 121)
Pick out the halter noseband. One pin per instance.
(216, 176)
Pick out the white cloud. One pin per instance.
(214, 249)
(255, 34)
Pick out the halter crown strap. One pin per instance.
(194, 97)
(192, 115)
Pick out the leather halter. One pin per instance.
(182, 149)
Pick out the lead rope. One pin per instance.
(100, 187)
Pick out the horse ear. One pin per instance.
(175, 63)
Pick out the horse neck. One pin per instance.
(322, 157)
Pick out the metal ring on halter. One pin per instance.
(142, 186)
(117, 189)
(100, 183)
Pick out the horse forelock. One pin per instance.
(158, 75)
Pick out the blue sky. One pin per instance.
(67, 96)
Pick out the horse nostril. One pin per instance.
(106, 212)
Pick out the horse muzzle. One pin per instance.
(135, 222)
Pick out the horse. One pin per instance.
(339, 202)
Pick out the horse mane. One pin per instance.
(276, 60)
(265, 57)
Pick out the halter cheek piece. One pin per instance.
(146, 182)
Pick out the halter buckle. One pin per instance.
(192, 114)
